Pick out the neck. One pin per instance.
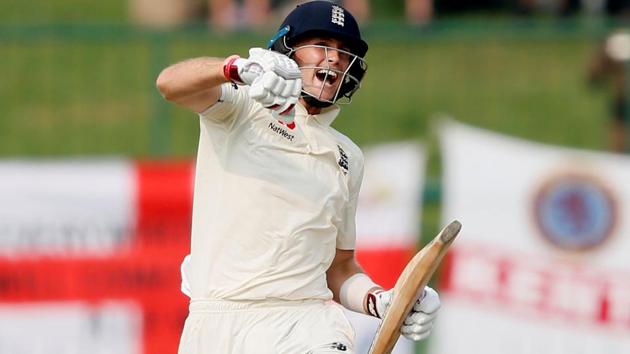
(310, 109)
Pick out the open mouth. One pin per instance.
(328, 77)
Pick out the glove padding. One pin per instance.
(419, 322)
(275, 80)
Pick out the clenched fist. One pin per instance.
(274, 79)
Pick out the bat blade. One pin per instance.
(410, 283)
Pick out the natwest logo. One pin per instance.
(281, 131)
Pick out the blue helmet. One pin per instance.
(325, 18)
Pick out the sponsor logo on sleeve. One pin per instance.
(343, 160)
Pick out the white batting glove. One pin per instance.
(419, 322)
(274, 79)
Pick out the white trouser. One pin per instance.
(283, 327)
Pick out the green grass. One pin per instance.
(507, 85)
(45, 11)
(90, 90)
(73, 96)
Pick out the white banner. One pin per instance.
(542, 264)
(71, 328)
(67, 228)
(388, 216)
(390, 198)
(65, 207)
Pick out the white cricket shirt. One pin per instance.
(271, 201)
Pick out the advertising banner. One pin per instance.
(388, 222)
(90, 249)
(541, 265)
(90, 253)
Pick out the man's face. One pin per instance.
(323, 61)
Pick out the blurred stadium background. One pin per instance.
(77, 82)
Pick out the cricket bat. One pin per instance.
(409, 285)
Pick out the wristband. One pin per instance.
(230, 70)
(355, 291)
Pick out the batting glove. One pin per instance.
(274, 79)
(419, 322)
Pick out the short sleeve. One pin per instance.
(233, 101)
(347, 234)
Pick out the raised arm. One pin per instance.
(274, 80)
(193, 83)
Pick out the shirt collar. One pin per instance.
(325, 117)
